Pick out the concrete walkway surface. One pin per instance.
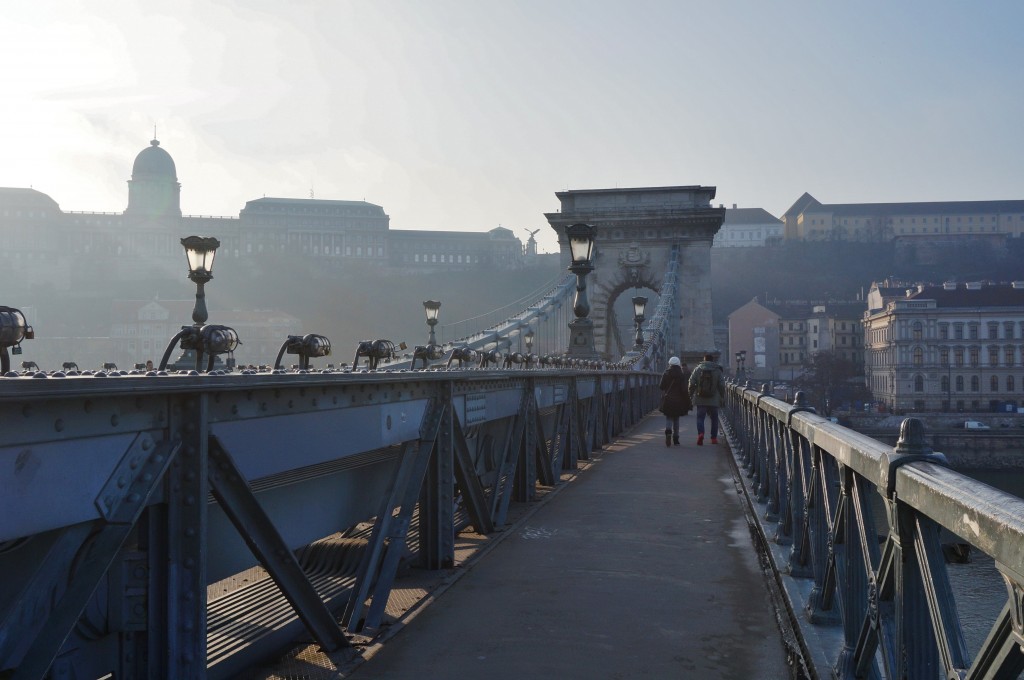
(642, 566)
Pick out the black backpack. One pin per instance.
(706, 383)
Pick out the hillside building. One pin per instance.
(748, 227)
(40, 243)
(810, 220)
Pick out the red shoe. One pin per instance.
(700, 440)
(714, 440)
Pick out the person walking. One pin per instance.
(675, 400)
(706, 388)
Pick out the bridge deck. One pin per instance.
(639, 567)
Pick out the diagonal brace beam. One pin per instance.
(239, 503)
(469, 483)
(388, 538)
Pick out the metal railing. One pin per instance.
(857, 525)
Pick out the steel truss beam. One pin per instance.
(391, 527)
(115, 519)
(239, 503)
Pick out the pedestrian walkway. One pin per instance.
(641, 567)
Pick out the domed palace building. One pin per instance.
(40, 243)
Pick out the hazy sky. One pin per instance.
(466, 115)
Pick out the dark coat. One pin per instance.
(717, 397)
(673, 385)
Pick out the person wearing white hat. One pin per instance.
(675, 400)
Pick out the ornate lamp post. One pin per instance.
(528, 339)
(431, 351)
(200, 251)
(639, 307)
(741, 365)
(432, 308)
(201, 338)
(581, 329)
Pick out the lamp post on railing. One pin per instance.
(639, 307)
(741, 365)
(201, 338)
(431, 351)
(432, 309)
(581, 329)
(200, 251)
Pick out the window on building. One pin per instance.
(993, 330)
(975, 384)
(1010, 387)
(944, 357)
(993, 384)
(975, 357)
(959, 383)
(917, 329)
(958, 331)
(918, 356)
(993, 356)
(944, 383)
(974, 331)
(1008, 330)
(943, 331)
(958, 356)
(1008, 355)
(919, 383)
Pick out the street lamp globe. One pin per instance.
(581, 242)
(200, 251)
(639, 306)
(581, 329)
(432, 309)
(528, 338)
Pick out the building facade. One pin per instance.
(954, 347)
(748, 227)
(40, 243)
(779, 337)
(810, 220)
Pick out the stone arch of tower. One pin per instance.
(636, 231)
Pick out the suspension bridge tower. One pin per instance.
(638, 231)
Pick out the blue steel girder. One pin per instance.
(330, 441)
(239, 503)
(469, 483)
(122, 500)
(513, 465)
(391, 525)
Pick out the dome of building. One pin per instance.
(154, 162)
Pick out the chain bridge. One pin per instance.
(201, 524)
